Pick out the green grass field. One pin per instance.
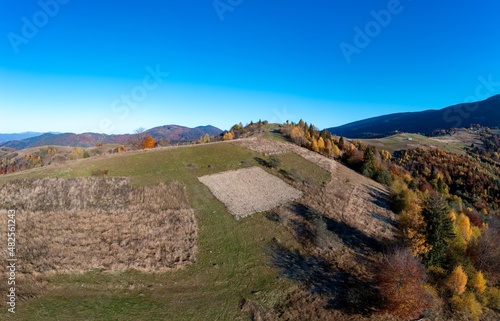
(232, 262)
(407, 141)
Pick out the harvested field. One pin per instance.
(250, 190)
(76, 225)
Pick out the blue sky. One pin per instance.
(114, 66)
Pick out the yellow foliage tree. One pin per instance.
(412, 223)
(314, 145)
(328, 146)
(385, 155)
(478, 282)
(463, 228)
(76, 153)
(468, 304)
(148, 142)
(296, 133)
(321, 144)
(413, 227)
(457, 280)
(228, 136)
(206, 138)
(335, 151)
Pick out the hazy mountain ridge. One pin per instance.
(173, 133)
(18, 136)
(485, 113)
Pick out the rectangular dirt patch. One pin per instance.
(249, 190)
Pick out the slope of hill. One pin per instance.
(485, 113)
(20, 136)
(173, 133)
(260, 259)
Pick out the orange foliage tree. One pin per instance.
(401, 281)
(148, 142)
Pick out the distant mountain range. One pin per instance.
(173, 133)
(485, 113)
(8, 137)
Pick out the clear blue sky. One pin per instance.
(114, 66)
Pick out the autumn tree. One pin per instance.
(485, 252)
(314, 146)
(297, 135)
(385, 155)
(401, 280)
(412, 223)
(335, 151)
(148, 142)
(227, 136)
(457, 280)
(321, 144)
(478, 282)
(467, 304)
(463, 227)
(76, 153)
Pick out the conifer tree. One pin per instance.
(439, 229)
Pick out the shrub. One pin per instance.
(274, 161)
(86, 154)
(99, 172)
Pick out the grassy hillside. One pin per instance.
(410, 141)
(231, 262)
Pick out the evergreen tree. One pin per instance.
(439, 229)
(341, 143)
(370, 163)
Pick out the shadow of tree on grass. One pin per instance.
(350, 236)
(345, 292)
